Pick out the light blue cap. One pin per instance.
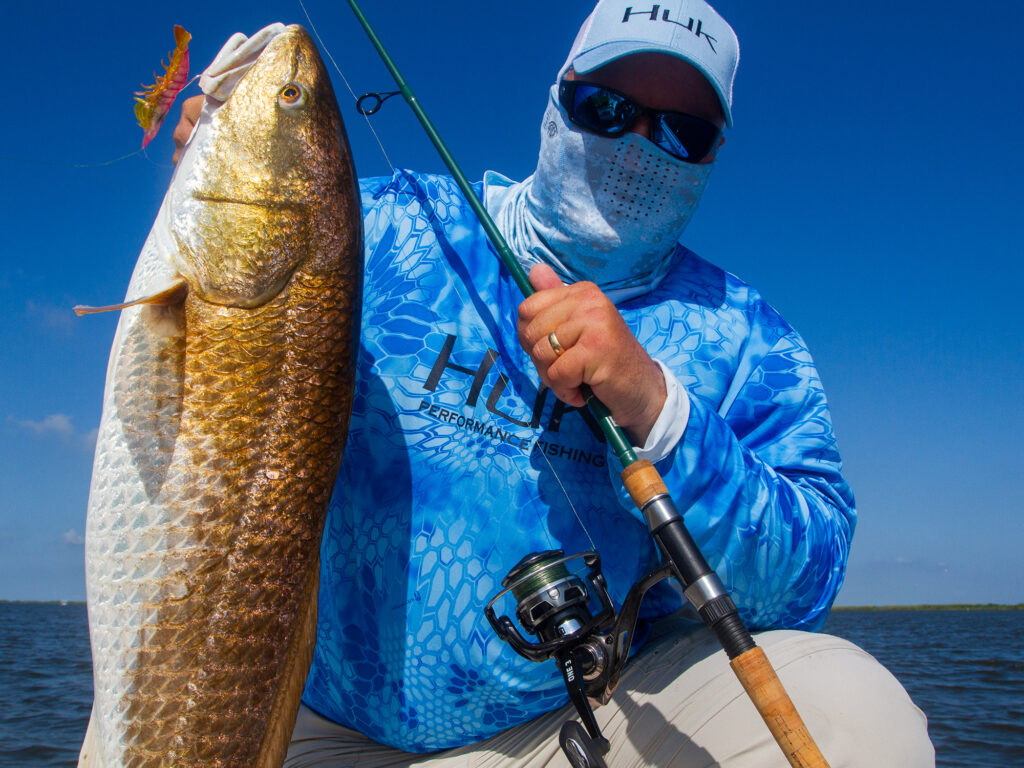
(689, 29)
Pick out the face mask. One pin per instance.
(600, 209)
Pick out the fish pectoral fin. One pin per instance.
(172, 295)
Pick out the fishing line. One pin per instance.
(58, 164)
(568, 498)
(366, 116)
(366, 112)
(521, 472)
(101, 164)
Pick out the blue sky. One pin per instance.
(871, 189)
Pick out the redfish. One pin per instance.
(224, 419)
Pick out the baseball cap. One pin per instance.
(689, 29)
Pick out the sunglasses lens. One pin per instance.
(685, 136)
(600, 110)
(609, 113)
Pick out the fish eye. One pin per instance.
(292, 95)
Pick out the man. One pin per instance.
(467, 449)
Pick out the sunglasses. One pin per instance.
(609, 113)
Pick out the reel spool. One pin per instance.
(552, 603)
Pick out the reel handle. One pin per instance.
(579, 748)
(584, 748)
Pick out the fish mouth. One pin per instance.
(280, 205)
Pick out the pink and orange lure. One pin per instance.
(153, 104)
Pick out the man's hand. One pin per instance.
(190, 109)
(599, 350)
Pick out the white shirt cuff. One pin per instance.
(671, 422)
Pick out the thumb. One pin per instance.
(542, 277)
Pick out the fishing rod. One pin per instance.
(701, 585)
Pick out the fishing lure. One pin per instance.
(153, 104)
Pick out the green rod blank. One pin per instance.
(614, 434)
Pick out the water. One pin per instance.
(45, 684)
(965, 669)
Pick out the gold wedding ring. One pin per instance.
(553, 341)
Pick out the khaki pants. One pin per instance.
(679, 704)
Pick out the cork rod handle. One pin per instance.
(762, 684)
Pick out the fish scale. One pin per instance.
(224, 423)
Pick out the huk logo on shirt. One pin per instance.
(652, 15)
(504, 430)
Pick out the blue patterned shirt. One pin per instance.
(459, 463)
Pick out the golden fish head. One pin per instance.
(268, 185)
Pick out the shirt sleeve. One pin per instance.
(759, 484)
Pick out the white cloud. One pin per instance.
(88, 439)
(51, 316)
(58, 424)
(73, 537)
(903, 561)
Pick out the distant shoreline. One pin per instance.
(946, 607)
(926, 607)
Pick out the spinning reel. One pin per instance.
(554, 604)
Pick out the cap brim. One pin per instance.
(603, 54)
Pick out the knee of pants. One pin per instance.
(855, 709)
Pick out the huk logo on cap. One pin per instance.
(652, 15)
